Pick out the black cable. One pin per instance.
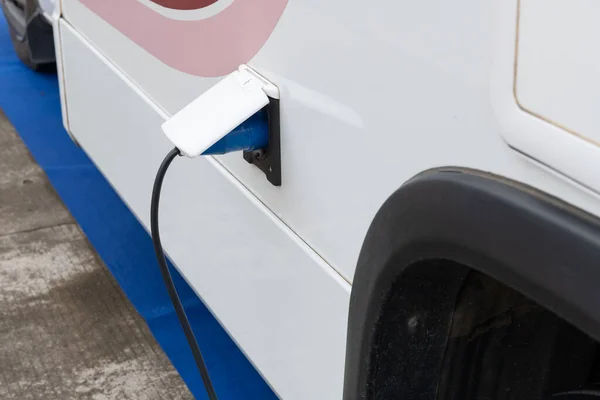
(164, 269)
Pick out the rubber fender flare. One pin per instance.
(537, 244)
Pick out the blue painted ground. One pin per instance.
(31, 102)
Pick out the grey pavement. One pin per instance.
(66, 329)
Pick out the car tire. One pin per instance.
(41, 34)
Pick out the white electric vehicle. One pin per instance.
(434, 231)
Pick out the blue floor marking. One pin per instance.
(32, 104)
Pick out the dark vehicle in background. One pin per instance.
(31, 32)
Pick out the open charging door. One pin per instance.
(224, 118)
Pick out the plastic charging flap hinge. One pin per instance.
(219, 111)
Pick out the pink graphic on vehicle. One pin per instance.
(184, 4)
(212, 46)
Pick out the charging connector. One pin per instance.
(251, 135)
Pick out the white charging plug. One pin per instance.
(219, 110)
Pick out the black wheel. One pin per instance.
(481, 340)
(30, 33)
(503, 346)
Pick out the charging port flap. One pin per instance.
(217, 122)
(216, 113)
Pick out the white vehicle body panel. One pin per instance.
(370, 97)
(559, 62)
(516, 53)
(397, 97)
(284, 306)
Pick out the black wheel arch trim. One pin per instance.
(532, 242)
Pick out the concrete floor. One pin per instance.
(66, 329)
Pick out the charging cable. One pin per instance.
(166, 274)
(249, 136)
